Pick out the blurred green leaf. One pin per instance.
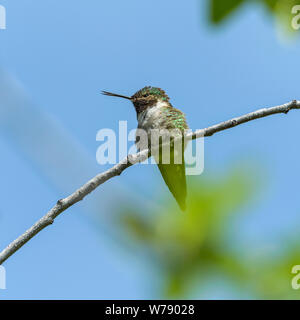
(220, 9)
(272, 275)
(270, 4)
(280, 10)
(191, 249)
(187, 244)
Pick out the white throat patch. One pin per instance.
(149, 118)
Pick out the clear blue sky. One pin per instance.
(58, 56)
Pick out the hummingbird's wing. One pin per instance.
(174, 177)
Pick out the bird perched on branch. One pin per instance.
(156, 114)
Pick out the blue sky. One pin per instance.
(56, 57)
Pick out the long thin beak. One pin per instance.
(115, 95)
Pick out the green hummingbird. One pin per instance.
(154, 111)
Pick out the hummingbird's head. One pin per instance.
(144, 98)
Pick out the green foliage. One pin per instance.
(190, 244)
(272, 274)
(220, 10)
(190, 250)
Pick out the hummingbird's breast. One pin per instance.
(161, 116)
(151, 118)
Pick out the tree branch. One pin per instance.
(130, 160)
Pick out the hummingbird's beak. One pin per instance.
(106, 93)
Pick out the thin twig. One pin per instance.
(116, 170)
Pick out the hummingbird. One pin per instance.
(154, 111)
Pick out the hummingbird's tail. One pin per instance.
(174, 177)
